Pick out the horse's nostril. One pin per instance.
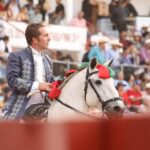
(117, 109)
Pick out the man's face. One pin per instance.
(137, 87)
(102, 45)
(58, 1)
(43, 39)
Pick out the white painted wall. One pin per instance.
(143, 6)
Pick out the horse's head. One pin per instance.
(100, 90)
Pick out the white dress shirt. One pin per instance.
(39, 71)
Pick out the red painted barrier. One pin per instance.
(131, 134)
(126, 134)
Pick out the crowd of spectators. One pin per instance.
(131, 49)
(30, 13)
(127, 50)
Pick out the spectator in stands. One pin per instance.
(5, 47)
(61, 56)
(145, 77)
(121, 90)
(2, 5)
(78, 21)
(134, 97)
(29, 4)
(59, 13)
(145, 31)
(131, 80)
(134, 53)
(132, 12)
(126, 58)
(120, 79)
(29, 70)
(112, 7)
(30, 9)
(87, 10)
(85, 55)
(99, 51)
(2, 10)
(119, 16)
(138, 74)
(12, 9)
(23, 15)
(113, 52)
(42, 4)
(145, 53)
(123, 39)
(146, 97)
(137, 40)
(37, 16)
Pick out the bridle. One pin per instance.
(89, 82)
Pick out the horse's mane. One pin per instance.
(69, 77)
(66, 80)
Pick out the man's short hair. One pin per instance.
(32, 31)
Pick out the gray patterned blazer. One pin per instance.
(20, 77)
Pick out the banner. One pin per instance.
(62, 37)
(67, 38)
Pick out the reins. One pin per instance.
(76, 110)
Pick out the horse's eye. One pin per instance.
(98, 82)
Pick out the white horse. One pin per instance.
(83, 91)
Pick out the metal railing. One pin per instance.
(60, 67)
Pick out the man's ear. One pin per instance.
(34, 40)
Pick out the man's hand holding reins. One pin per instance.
(45, 86)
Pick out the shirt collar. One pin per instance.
(35, 52)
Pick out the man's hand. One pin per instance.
(45, 86)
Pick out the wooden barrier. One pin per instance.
(127, 134)
(131, 134)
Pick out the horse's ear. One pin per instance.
(109, 62)
(93, 63)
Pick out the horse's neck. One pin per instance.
(73, 92)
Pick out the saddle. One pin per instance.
(36, 112)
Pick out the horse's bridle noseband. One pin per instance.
(88, 81)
